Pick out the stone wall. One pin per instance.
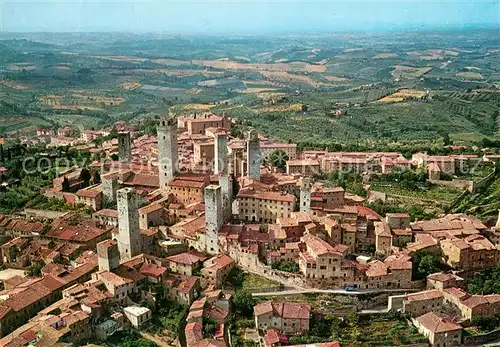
(460, 184)
(481, 339)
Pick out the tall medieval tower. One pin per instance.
(167, 150)
(213, 218)
(129, 234)
(124, 147)
(221, 167)
(253, 155)
(305, 195)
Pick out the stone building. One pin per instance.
(214, 217)
(253, 156)
(109, 186)
(124, 147)
(168, 161)
(420, 303)
(129, 235)
(187, 188)
(320, 260)
(306, 167)
(383, 238)
(215, 270)
(441, 330)
(108, 255)
(287, 317)
(263, 206)
(305, 195)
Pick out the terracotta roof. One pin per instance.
(425, 295)
(90, 192)
(188, 258)
(220, 261)
(438, 323)
(107, 212)
(273, 337)
(291, 310)
(152, 270)
(194, 333)
(442, 277)
(317, 245)
(151, 208)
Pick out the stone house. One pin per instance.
(215, 270)
(287, 317)
(439, 329)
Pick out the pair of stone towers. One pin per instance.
(128, 243)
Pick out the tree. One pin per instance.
(279, 158)
(65, 185)
(114, 157)
(35, 269)
(446, 139)
(85, 176)
(96, 177)
(236, 185)
(243, 303)
(428, 264)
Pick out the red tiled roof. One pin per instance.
(290, 310)
(188, 258)
(152, 270)
(438, 323)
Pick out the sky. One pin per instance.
(243, 16)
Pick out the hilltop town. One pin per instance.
(189, 235)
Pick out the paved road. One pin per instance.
(335, 291)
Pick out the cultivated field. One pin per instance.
(385, 56)
(403, 94)
(471, 75)
(409, 72)
(13, 84)
(130, 85)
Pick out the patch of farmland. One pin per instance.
(256, 90)
(385, 56)
(402, 71)
(470, 74)
(77, 107)
(130, 85)
(198, 106)
(276, 67)
(403, 94)
(281, 108)
(13, 84)
(161, 88)
(127, 58)
(108, 101)
(335, 78)
(21, 67)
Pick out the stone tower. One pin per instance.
(253, 156)
(221, 155)
(109, 184)
(226, 185)
(222, 167)
(129, 234)
(108, 255)
(213, 218)
(167, 150)
(305, 195)
(124, 147)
